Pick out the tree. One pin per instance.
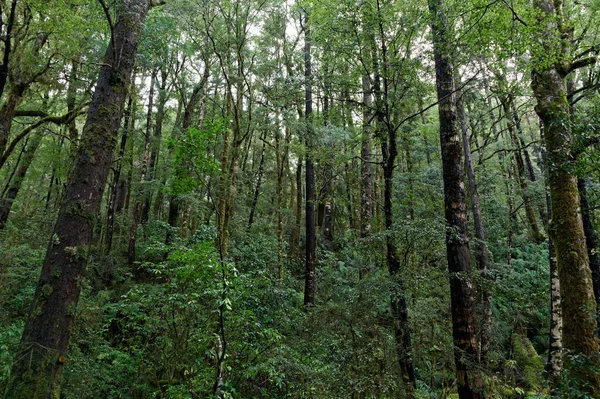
(552, 64)
(457, 242)
(38, 370)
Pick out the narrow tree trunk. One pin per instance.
(7, 46)
(14, 185)
(295, 239)
(481, 252)
(258, 181)
(37, 369)
(139, 203)
(366, 171)
(155, 143)
(469, 383)
(555, 363)
(115, 188)
(389, 152)
(590, 240)
(536, 234)
(311, 238)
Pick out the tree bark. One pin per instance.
(457, 245)
(590, 240)
(14, 185)
(311, 238)
(116, 188)
(536, 234)
(37, 370)
(566, 227)
(142, 194)
(481, 251)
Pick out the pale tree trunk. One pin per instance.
(37, 370)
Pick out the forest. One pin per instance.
(299, 199)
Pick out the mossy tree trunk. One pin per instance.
(566, 227)
(37, 370)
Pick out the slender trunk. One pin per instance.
(258, 181)
(155, 143)
(389, 152)
(366, 171)
(536, 234)
(139, 203)
(37, 369)
(311, 238)
(116, 188)
(481, 252)
(14, 185)
(555, 363)
(7, 46)
(7, 113)
(457, 245)
(590, 240)
(295, 247)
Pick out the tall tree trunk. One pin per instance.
(366, 170)
(14, 185)
(457, 245)
(590, 240)
(155, 143)
(536, 234)
(295, 239)
(7, 46)
(116, 187)
(142, 194)
(311, 238)
(566, 227)
(481, 252)
(555, 363)
(37, 370)
(188, 117)
(389, 152)
(258, 180)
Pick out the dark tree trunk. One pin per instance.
(258, 181)
(481, 252)
(389, 152)
(536, 234)
(7, 45)
(311, 238)
(366, 171)
(590, 239)
(138, 211)
(37, 369)
(469, 383)
(116, 189)
(14, 185)
(155, 144)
